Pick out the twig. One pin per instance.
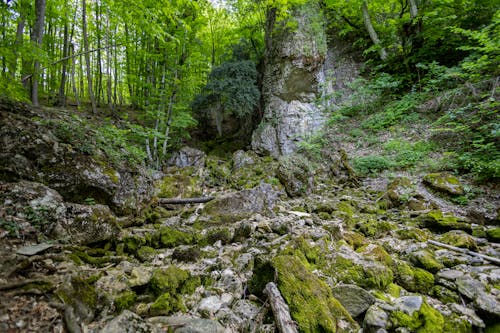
(493, 260)
(284, 321)
(183, 201)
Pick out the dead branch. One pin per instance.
(493, 260)
(183, 201)
(280, 309)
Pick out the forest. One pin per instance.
(254, 166)
(172, 62)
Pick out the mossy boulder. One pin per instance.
(249, 170)
(312, 304)
(170, 284)
(439, 221)
(233, 207)
(374, 228)
(81, 294)
(424, 320)
(145, 253)
(413, 279)
(364, 272)
(179, 185)
(427, 260)
(295, 172)
(125, 300)
(459, 238)
(444, 182)
(399, 191)
(171, 237)
(493, 234)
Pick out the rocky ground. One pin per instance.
(380, 254)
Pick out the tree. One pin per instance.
(36, 38)
(87, 56)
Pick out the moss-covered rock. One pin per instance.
(436, 220)
(493, 234)
(399, 191)
(179, 185)
(444, 182)
(445, 295)
(186, 254)
(169, 279)
(295, 172)
(364, 273)
(145, 253)
(425, 320)
(219, 234)
(166, 304)
(459, 238)
(426, 260)
(354, 239)
(172, 237)
(373, 228)
(413, 233)
(311, 301)
(125, 300)
(411, 278)
(81, 294)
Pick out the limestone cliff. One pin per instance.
(301, 74)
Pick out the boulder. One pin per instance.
(187, 157)
(444, 182)
(236, 206)
(128, 322)
(296, 175)
(187, 324)
(89, 224)
(355, 300)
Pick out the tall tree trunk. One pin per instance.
(87, 56)
(98, 20)
(21, 21)
(371, 31)
(62, 87)
(36, 39)
(73, 80)
(109, 63)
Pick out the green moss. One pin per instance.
(167, 280)
(186, 254)
(436, 220)
(83, 257)
(426, 260)
(133, 243)
(457, 324)
(166, 304)
(444, 182)
(426, 320)
(219, 234)
(171, 237)
(459, 239)
(324, 216)
(125, 300)
(373, 275)
(263, 272)
(179, 185)
(394, 290)
(311, 301)
(413, 233)
(413, 279)
(303, 249)
(145, 253)
(376, 252)
(354, 239)
(444, 294)
(79, 290)
(493, 235)
(190, 284)
(372, 228)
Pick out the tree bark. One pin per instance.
(36, 39)
(62, 87)
(87, 56)
(282, 317)
(371, 31)
(21, 21)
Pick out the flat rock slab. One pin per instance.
(31, 250)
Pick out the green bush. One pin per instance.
(370, 164)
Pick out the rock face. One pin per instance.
(292, 80)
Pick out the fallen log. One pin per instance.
(282, 317)
(183, 201)
(493, 260)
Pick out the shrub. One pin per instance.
(370, 164)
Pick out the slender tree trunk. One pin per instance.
(62, 87)
(87, 56)
(371, 31)
(413, 9)
(73, 80)
(17, 44)
(108, 65)
(98, 19)
(37, 38)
